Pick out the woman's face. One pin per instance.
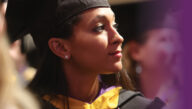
(95, 43)
(161, 50)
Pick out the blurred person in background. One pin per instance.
(152, 51)
(19, 53)
(12, 94)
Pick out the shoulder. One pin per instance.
(135, 100)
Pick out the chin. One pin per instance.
(112, 68)
(116, 68)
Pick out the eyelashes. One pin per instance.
(116, 26)
(101, 27)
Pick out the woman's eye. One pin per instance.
(99, 28)
(116, 26)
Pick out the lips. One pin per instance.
(116, 53)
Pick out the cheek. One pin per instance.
(90, 51)
(153, 56)
(91, 47)
(162, 55)
(167, 53)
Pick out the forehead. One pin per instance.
(97, 14)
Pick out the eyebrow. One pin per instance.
(98, 17)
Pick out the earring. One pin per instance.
(66, 57)
(138, 69)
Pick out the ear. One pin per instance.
(134, 50)
(60, 47)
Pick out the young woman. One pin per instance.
(80, 49)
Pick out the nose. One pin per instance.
(116, 38)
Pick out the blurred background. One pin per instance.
(156, 50)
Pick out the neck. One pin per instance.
(82, 85)
(152, 81)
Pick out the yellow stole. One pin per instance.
(108, 100)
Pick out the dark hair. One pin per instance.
(49, 78)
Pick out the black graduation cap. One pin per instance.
(22, 15)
